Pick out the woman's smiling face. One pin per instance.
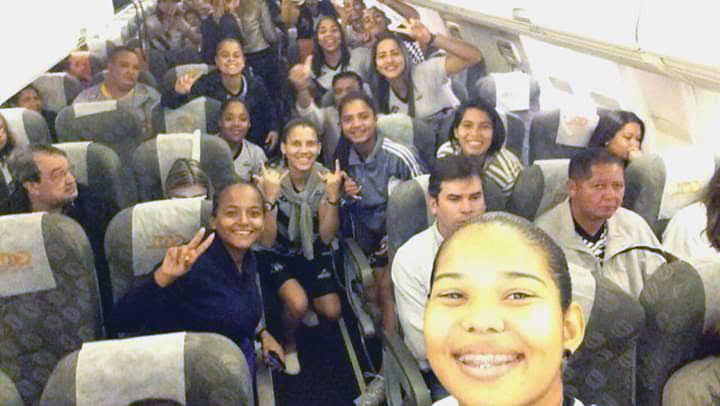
(495, 330)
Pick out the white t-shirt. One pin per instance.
(249, 161)
(411, 271)
(451, 401)
(359, 63)
(432, 91)
(686, 236)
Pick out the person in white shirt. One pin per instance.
(456, 197)
(500, 320)
(235, 123)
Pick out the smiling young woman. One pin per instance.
(498, 325)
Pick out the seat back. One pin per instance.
(408, 212)
(188, 368)
(539, 187)
(681, 306)
(560, 133)
(154, 158)
(172, 74)
(9, 395)
(138, 237)
(412, 132)
(404, 384)
(201, 113)
(99, 167)
(658, 185)
(602, 370)
(57, 89)
(104, 122)
(48, 296)
(28, 126)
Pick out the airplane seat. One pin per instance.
(9, 395)
(404, 384)
(106, 122)
(412, 132)
(658, 185)
(28, 126)
(99, 167)
(602, 371)
(188, 368)
(408, 212)
(57, 89)
(681, 308)
(172, 73)
(201, 113)
(153, 159)
(515, 92)
(539, 188)
(48, 295)
(138, 237)
(560, 133)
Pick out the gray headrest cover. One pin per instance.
(119, 372)
(170, 147)
(24, 266)
(16, 124)
(686, 174)
(556, 176)
(77, 152)
(161, 224)
(52, 88)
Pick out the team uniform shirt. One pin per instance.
(249, 161)
(359, 62)
(686, 236)
(625, 229)
(213, 296)
(388, 163)
(411, 271)
(503, 168)
(263, 113)
(432, 92)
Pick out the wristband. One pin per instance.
(271, 206)
(432, 39)
(336, 203)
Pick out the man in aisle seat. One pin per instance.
(373, 165)
(121, 84)
(456, 198)
(43, 181)
(592, 228)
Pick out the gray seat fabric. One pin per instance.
(9, 395)
(678, 302)
(409, 214)
(215, 373)
(404, 384)
(653, 192)
(539, 187)
(542, 139)
(164, 223)
(215, 159)
(117, 128)
(28, 126)
(99, 167)
(515, 135)
(56, 309)
(58, 89)
(201, 113)
(412, 132)
(171, 75)
(602, 371)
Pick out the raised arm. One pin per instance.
(460, 54)
(401, 8)
(330, 206)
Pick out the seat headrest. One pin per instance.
(149, 367)
(191, 69)
(687, 172)
(187, 118)
(512, 91)
(576, 125)
(540, 187)
(52, 88)
(91, 108)
(24, 265)
(161, 224)
(77, 153)
(16, 123)
(170, 147)
(397, 127)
